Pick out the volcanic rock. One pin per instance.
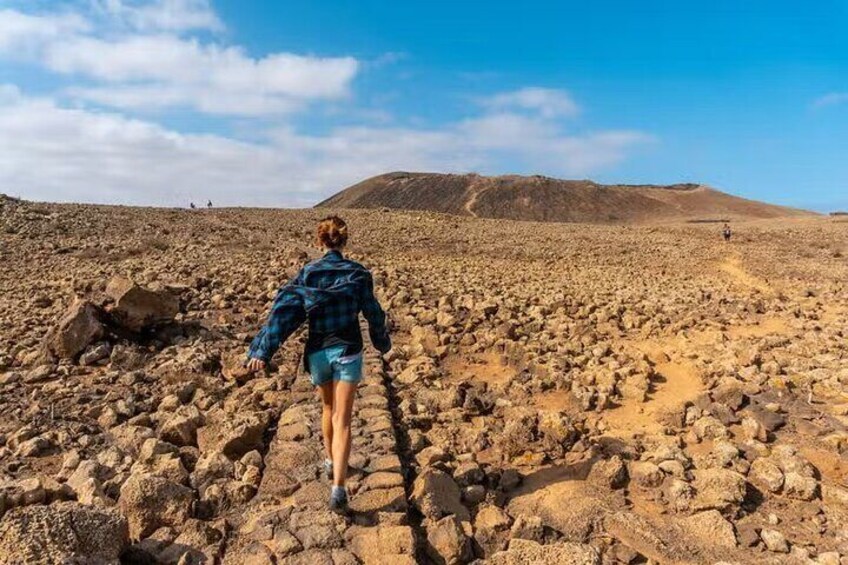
(150, 502)
(62, 533)
(436, 494)
(77, 328)
(137, 308)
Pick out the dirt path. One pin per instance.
(476, 192)
(288, 520)
(733, 266)
(470, 204)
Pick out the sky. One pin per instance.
(250, 103)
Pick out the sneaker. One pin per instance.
(338, 500)
(328, 469)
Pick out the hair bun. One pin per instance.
(332, 232)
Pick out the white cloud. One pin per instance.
(156, 69)
(151, 71)
(831, 99)
(53, 153)
(548, 102)
(25, 34)
(162, 15)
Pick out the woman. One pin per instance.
(329, 293)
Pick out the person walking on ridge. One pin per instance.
(329, 294)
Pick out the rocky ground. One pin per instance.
(557, 393)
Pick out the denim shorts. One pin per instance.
(331, 364)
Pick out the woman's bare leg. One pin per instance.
(326, 391)
(343, 396)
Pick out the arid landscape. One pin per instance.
(557, 393)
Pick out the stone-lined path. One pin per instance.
(288, 521)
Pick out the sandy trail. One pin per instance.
(483, 367)
(733, 266)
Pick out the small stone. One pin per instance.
(765, 473)
(610, 473)
(774, 541)
(436, 495)
(645, 474)
(474, 494)
(527, 527)
(718, 488)
(430, 456)
(468, 473)
(95, 353)
(447, 542)
(800, 487)
(712, 528)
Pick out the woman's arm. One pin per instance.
(287, 314)
(376, 317)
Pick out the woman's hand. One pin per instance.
(256, 365)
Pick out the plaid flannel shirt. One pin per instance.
(329, 293)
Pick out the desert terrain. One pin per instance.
(557, 393)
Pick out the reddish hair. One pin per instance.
(332, 232)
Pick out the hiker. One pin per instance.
(209, 204)
(329, 293)
(726, 233)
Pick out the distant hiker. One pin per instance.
(192, 206)
(209, 204)
(329, 293)
(726, 233)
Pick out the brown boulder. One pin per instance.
(78, 327)
(491, 529)
(447, 543)
(150, 502)
(436, 495)
(523, 552)
(181, 428)
(62, 533)
(234, 368)
(718, 488)
(137, 308)
(387, 544)
(234, 434)
(609, 473)
(711, 528)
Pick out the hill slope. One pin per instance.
(541, 198)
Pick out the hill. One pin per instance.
(539, 198)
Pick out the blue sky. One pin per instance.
(283, 103)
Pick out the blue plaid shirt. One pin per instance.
(329, 293)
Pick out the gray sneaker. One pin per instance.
(338, 500)
(328, 469)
